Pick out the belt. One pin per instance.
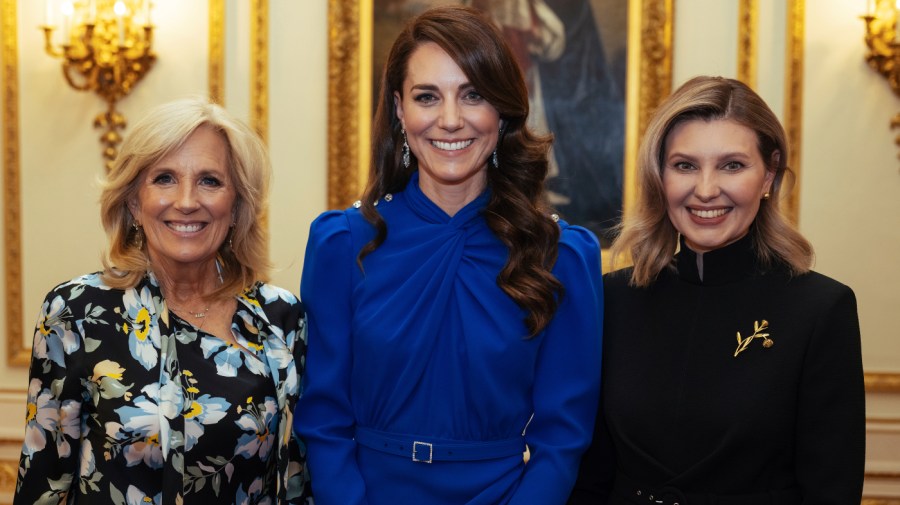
(427, 449)
(627, 488)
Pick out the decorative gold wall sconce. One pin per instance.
(883, 40)
(106, 47)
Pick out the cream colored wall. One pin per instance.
(850, 176)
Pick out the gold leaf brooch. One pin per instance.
(758, 328)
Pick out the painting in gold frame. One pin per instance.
(648, 81)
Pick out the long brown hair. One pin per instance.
(648, 235)
(516, 212)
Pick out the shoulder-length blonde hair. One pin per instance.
(243, 258)
(649, 237)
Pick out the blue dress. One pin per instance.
(421, 346)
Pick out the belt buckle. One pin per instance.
(417, 446)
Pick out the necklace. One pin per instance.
(200, 314)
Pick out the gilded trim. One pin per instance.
(216, 67)
(259, 64)
(8, 470)
(17, 354)
(748, 31)
(793, 114)
(344, 85)
(649, 82)
(881, 382)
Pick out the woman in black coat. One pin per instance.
(732, 373)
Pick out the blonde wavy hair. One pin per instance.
(163, 130)
(647, 235)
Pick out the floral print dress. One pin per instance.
(130, 404)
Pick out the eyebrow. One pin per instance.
(434, 87)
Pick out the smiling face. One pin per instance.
(451, 129)
(185, 202)
(714, 178)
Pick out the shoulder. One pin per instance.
(579, 241)
(819, 290)
(87, 283)
(279, 305)
(267, 293)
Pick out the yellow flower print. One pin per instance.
(107, 368)
(196, 410)
(142, 320)
(251, 301)
(43, 329)
(31, 412)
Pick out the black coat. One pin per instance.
(681, 412)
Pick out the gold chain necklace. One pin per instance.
(200, 314)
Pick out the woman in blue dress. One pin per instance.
(453, 321)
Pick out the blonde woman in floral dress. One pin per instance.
(171, 376)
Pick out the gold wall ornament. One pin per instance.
(106, 47)
(883, 40)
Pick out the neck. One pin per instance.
(453, 197)
(186, 286)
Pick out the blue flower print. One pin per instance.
(53, 336)
(135, 496)
(260, 423)
(272, 293)
(40, 417)
(199, 411)
(141, 327)
(253, 495)
(229, 357)
(137, 437)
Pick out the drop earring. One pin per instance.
(494, 159)
(138, 235)
(405, 150)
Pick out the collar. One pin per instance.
(725, 265)
(422, 206)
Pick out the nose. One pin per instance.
(707, 186)
(186, 198)
(450, 118)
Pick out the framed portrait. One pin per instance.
(595, 69)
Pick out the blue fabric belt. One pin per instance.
(427, 449)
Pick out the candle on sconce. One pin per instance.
(119, 9)
(48, 13)
(67, 10)
(147, 5)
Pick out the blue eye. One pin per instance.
(163, 179)
(682, 165)
(210, 181)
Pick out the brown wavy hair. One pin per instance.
(647, 234)
(163, 130)
(516, 211)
